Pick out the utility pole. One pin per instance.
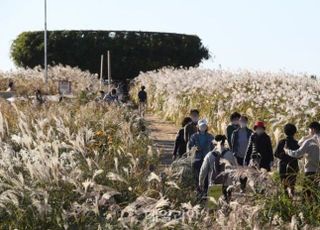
(45, 43)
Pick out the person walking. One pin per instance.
(288, 166)
(259, 148)
(202, 141)
(310, 148)
(215, 169)
(234, 125)
(11, 87)
(180, 146)
(38, 98)
(240, 139)
(191, 127)
(239, 142)
(142, 96)
(112, 97)
(101, 97)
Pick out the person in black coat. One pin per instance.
(143, 97)
(191, 127)
(180, 146)
(260, 148)
(288, 166)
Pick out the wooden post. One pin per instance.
(101, 71)
(109, 70)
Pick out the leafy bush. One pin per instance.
(131, 51)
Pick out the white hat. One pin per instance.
(202, 122)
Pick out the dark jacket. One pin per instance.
(201, 152)
(234, 139)
(260, 145)
(189, 130)
(180, 146)
(142, 96)
(287, 163)
(291, 144)
(230, 129)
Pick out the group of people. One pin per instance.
(38, 98)
(241, 147)
(111, 97)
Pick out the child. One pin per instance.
(288, 166)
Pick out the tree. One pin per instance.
(131, 51)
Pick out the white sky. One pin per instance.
(266, 35)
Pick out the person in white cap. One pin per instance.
(203, 141)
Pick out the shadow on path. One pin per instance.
(162, 134)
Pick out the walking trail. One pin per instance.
(162, 135)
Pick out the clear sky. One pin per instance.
(253, 34)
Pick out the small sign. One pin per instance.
(64, 87)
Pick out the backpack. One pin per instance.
(217, 176)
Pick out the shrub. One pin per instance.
(131, 51)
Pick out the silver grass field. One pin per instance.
(79, 164)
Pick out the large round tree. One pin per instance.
(131, 51)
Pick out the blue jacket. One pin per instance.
(201, 152)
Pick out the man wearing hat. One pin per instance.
(260, 147)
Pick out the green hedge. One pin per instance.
(131, 51)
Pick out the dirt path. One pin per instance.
(162, 134)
